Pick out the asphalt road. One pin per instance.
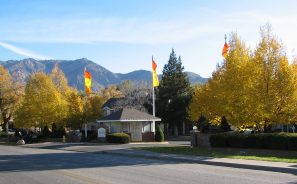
(36, 166)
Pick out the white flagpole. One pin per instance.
(154, 110)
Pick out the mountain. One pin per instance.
(73, 70)
(195, 78)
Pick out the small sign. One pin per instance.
(101, 133)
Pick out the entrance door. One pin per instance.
(135, 128)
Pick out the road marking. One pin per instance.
(81, 177)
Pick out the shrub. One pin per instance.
(218, 140)
(236, 140)
(224, 126)
(203, 124)
(159, 136)
(280, 141)
(59, 133)
(121, 138)
(254, 141)
(46, 133)
(91, 135)
(292, 142)
(275, 141)
(3, 134)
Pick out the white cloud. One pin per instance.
(192, 26)
(23, 52)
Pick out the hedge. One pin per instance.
(121, 138)
(159, 136)
(218, 140)
(281, 141)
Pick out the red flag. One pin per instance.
(155, 76)
(225, 50)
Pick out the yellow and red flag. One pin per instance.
(88, 82)
(225, 50)
(155, 76)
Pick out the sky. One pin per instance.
(122, 35)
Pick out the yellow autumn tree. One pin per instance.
(42, 104)
(93, 106)
(59, 80)
(226, 92)
(75, 109)
(257, 89)
(275, 79)
(10, 95)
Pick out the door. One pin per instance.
(135, 128)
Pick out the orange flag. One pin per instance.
(88, 82)
(225, 50)
(155, 76)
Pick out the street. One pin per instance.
(35, 166)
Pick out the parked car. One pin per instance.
(31, 137)
(247, 131)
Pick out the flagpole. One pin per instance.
(154, 110)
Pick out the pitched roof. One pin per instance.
(128, 114)
(110, 103)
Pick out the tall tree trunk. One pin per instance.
(175, 130)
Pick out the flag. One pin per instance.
(225, 50)
(88, 82)
(155, 76)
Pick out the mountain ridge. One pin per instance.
(73, 70)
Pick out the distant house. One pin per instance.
(111, 105)
(139, 125)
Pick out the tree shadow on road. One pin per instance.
(78, 160)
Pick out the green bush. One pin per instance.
(91, 135)
(3, 134)
(275, 141)
(282, 141)
(292, 142)
(58, 133)
(236, 140)
(159, 136)
(224, 126)
(218, 140)
(121, 138)
(254, 141)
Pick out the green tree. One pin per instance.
(173, 95)
(159, 137)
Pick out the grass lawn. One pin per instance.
(248, 154)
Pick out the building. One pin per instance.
(139, 125)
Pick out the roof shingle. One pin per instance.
(128, 114)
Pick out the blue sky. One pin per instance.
(122, 35)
